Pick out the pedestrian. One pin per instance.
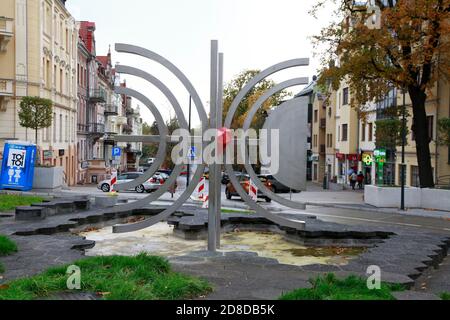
(360, 180)
(353, 179)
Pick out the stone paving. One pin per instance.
(403, 254)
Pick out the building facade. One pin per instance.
(38, 42)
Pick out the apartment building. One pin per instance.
(319, 136)
(38, 54)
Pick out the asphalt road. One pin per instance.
(351, 216)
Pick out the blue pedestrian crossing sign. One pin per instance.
(192, 153)
(116, 152)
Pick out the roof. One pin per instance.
(309, 89)
(86, 34)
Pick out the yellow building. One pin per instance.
(437, 107)
(38, 42)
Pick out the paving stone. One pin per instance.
(414, 295)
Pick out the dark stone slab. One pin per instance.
(30, 213)
(414, 295)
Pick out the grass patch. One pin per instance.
(445, 296)
(237, 211)
(10, 202)
(7, 247)
(141, 277)
(351, 288)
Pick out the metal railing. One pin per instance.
(111, 109)
(96, 128)
(97, 95)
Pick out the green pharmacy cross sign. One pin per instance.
(380, 160)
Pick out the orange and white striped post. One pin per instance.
(253, 191)
(113, 180)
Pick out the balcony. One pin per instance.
(82, 128)
(97, 96)
(6, 32)
(129, 111)
(6, 92)
(96, 128)
(111, 110)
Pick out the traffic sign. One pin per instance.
(116, 152)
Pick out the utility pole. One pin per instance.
(188, 176)
(403, 166)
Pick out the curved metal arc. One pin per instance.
(162, 143)
(166, 213)
(262, 75)
(266, 96)
(127, 48)
(248, 167)
(161, 86)
(299, 225)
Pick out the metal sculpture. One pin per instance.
(214, 122)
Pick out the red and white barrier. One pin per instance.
(113, 180)
(201, 191)
(253, 191)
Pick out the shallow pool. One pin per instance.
(159, 240)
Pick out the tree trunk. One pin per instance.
(420, 129)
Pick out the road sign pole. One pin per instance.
(219, 123)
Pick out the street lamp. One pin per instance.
(188, 175)
(403, 165)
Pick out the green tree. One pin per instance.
(151, 149)
(444, 131)
(36, 113)
(408, 48)
(235, 86)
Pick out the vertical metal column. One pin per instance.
(213, 206)
(219, 123)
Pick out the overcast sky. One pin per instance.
(253, 34)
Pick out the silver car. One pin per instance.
(149, 186)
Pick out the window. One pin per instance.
(54, 127)
(315, 140)
(339, 134)
(60, 128)
(48, 74)
(61, 81)
(345, 96)
(363, 131)
(415, 181)
(370, 131)
(330, 140)
(67, 125)
(430, 122)
(316, 115)
(344, 132)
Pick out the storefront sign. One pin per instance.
(48, 155)
(353, 157)
(340, 156)
(367, 159)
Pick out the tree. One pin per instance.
(36, 113)
(151, 149)
(408, 49)
(444, 131)
(235, 86)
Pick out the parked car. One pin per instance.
(226, 179)
(244, 180)
(277, 186)
(151, 185)
(105, 185)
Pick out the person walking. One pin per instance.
(360, 180)
(353, 180)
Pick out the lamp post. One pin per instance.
(188, 175)
(403, 165)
